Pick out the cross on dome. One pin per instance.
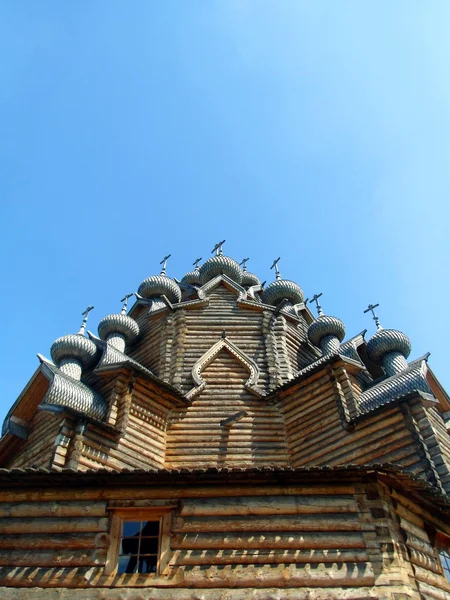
(164, 263)
(315, 299)
(371, 308)
(196, 261)
(125, 302)
(218, 248)
(275, 265)
(85, 315)
(244, 262)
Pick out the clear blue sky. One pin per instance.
(314, 131)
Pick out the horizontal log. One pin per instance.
(294, 505)
(53, 509)
(286, 540)
(326, 522)
(53, 525)
(47, 541)
(303, 593)
(143, 492)
(265, 557)
(52, 558)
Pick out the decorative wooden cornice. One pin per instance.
(238, 354)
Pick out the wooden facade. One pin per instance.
(248, 448)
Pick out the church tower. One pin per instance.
(218, 441)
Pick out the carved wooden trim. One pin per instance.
(208, 358)
(229, 284)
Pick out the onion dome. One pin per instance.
(220, 265)
(74, 352)
(280, 289)
(119, 329)
(326, 332)
(160, 285)
(193, 277)
(386, 341)
(248, 279)
(388, 347)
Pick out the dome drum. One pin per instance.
(118, 324)
(385, 341)
(327, 333)
(74, 347)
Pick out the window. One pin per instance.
(443, 548)
(139, 547)
(140, 542)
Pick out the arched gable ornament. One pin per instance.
(208, 358)
(229, 284)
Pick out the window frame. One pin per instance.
(118, 516)
(442, 544)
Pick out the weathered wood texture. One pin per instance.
(317, 434)
(365, 539)
(38, 449)
(313, 540)
(142, 415)
(195, 436)
(421, 550)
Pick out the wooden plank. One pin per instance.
(52, 525)
(296, 540)
(254, 505)
(53, 509)
(326, 522)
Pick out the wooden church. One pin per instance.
(219, 442)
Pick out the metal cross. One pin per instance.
(315, 299)
(85, 315)
(218, 248)
(371, 308)
(196, 261)
(163, 263)
(275, 264)
(125, 303)
(244, 262)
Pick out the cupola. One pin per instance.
(193, 277)
(119, 329)
(326, 332)
(281, 289)
(388, 347)
(220, 265)
(156, 286)
(74, 352)
(248, 279)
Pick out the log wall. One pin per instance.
(329, 541)
(195, 436)
(38, 449)
(317, 434)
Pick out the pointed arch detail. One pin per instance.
(209, 357)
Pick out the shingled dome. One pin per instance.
(118, 324)
(325, 326)
(192, 278)
(280, 289)
(249, 279)
(160, 285)
(386, 341)
(220, 265)
(74, 346)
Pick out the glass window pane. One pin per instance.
(127, 564)
(149, 546)
(129, 545)
(147, 564)
(150, 528)
(131, 528)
